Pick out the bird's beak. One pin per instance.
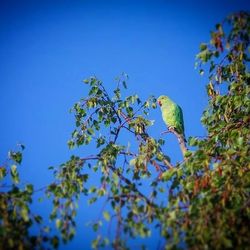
(159, 102)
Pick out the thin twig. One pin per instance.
(129, 183)
(123, 178)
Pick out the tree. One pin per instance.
(16, 216)
(199, 203)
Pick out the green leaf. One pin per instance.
(14, 174)
(3, 172)
(59, 223)
(124, 84)
(38, 219)
(92, 200)
(29, 188)
(106, 215)
(16, 156)
(203, 46)
(96, 226)
(86, 81)
(192, 141)
(55, 242)
(188, 154)
(24, 213)
(167, 175)
(95, 243)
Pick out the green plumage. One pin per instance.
(172, 114)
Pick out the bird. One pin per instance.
(172, 115)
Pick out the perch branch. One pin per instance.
(180, 138)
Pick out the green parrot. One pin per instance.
(173, 117)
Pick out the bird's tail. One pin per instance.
(184, 138)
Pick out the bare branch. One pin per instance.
(180, 138)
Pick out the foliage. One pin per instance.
(218, 171)
(206, 204)
(16, 218)
(100, 120)
(65, 193)
(200, 203)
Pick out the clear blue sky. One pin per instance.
(48, 47)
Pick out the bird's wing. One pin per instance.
(179, 116)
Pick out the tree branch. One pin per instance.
(181, 140)
(123, 178)
(129, 183)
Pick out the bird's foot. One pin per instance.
(170, 129)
